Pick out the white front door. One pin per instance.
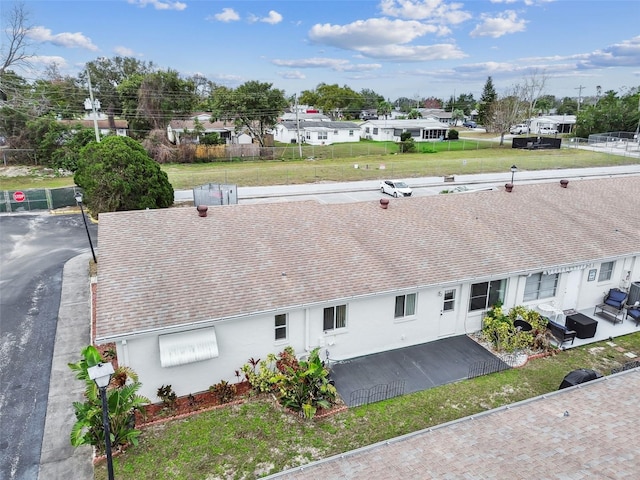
(570, 298)
(449, 311)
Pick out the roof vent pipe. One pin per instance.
(202, 210)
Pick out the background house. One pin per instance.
(422, 130)
(106, 126)
(561, 123)
(306, 275)
(179, 130)
(316, 132)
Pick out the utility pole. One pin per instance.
(93, 109)
(579, 95)
(298, 126)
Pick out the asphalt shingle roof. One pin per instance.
(161, 268)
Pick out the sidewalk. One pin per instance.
(58, 459)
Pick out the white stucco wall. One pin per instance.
(371, 328)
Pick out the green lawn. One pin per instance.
(337, 163)
(257, 438)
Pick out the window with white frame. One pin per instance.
(449, 301)
(606, 270)
(351, 133)
(375, 131)
(486, 294)
(335, 317)
(322, 135)
(308, 135)
(405, 305)
(539, 286)
(281, 326)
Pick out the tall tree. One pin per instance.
(107, 74)
(384, 108)
(505, 112)
(432, 102)
(613, 113)
(335, 100)
(531, 89)
(253, 106)
(15, 50)
(118, 174)
(487, 98)
(568, 106)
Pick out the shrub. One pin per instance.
(301, 385)
(168, 396)
(498, 328)
(454, 134)
(223, 391)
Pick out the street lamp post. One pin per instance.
(101, 374)
(514, 169)
(78, 197)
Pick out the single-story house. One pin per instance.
(561, 123)
(438, 115)
(187, 300)
(106, 126)
(178, 129)
(317, 132)
(422, 130)
(304, 117)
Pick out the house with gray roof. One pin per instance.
(188, 299)
(316, 132)
(422, 130)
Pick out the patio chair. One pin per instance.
(633, 311)
(615, 298)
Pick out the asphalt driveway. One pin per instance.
(410, 369)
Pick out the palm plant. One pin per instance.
(122, 401)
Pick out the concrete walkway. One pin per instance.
(58, 459)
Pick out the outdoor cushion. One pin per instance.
(557, 325)
(615, 298)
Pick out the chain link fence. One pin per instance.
(17, 201)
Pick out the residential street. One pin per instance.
(34, 251)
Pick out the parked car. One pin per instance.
(469, 124)
(547, 131)
(395, 188)
(518, 129)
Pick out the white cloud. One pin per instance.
(66, 39)
(273, 18)
(369, 33)
(414, 53)
(46, 60)
(159, 5)
(124, 51)
(227, 15)
(292, 75)
(338, 65)
(429, 10)
(495, 27)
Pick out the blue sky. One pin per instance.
(398, 48)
